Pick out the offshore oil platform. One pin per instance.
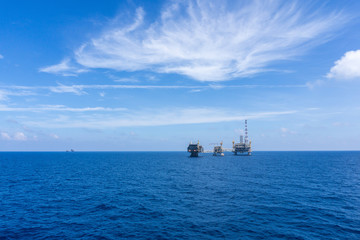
(218, 150)
(242, 148)
(194, 149)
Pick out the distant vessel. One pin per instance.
(194, 149)
(218, 150)
(243, 146)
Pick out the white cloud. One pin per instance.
(20, 136)
(341, 124)
(216, 86)
(64, 68)
(211, 40)
(129, 80)
(195, 90)
(347, 68)
(67, 89)
(122, 80)
(152, 117)
(1, 56)
(314, 84)
(286, 131)
(5, 136)
(54, 136)
(3, 95)
(313, 109)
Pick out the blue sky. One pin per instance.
(155, 75)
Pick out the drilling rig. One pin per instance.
(219, 150)
(243, 147)
(194, 149)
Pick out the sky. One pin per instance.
(155, 75)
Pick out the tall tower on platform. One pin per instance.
(246, 133)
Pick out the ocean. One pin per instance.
(167, 195)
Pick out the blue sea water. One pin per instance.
(167, 195)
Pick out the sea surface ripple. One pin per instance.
(167, 195)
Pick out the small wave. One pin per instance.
(105, 207)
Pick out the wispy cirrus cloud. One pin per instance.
(314, 84)
(123, 79)
(155, 117)
(128, 80)
(347, 68)
(7, 91)
(210, 41)
(60, 108)
(4, 93)
(76, 89)
(1, 56)
(64, 68)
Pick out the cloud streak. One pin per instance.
(59, 108)
(79, 89)
(154, 117)
(210, 41)
(64, 68)
(4, 93)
